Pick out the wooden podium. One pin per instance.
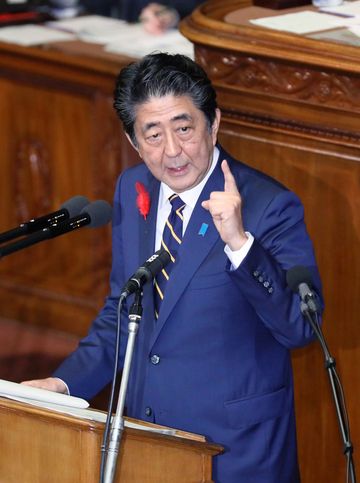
(41, 446)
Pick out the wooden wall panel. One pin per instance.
(49, 142)
(60, 137)
(328, 187)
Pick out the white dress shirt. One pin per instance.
(190, 198)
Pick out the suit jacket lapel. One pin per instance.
(147, 228)
(194, 249)
(147, 231)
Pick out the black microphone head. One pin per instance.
(146, 272)
(161, 259)
(99, 211)
(298, 275)
(75, 205)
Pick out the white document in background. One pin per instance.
(95, 28)
(355, 30)
(135, 42)
(27, 35)
(347, 9)
(303, 22)
(120, 37)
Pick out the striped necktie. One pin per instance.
(171, 241)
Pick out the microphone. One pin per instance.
(146, 272)
(70, 208)
(95, 214)
(299, 281)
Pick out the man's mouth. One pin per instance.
(178, 169)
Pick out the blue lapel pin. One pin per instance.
(203, 229)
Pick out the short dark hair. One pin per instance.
(158, 75)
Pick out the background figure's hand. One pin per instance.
(50, 383)
(157, 18)
(225, 209)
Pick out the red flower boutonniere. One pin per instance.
(142, 199)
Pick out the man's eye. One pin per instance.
(153, 137)
(184, 129)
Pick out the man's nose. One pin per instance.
(172, 145)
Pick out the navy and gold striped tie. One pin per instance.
(171, 240)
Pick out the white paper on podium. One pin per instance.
(13, 390)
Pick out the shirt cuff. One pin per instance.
(237, 256)
(67, 387)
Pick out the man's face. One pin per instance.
(174, 140)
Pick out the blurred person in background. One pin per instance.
(157, 18)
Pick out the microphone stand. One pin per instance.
(309, 310)
(117, 427)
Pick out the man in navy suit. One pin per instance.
(216, 361)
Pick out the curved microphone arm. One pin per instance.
(336, 389)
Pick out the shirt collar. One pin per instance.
(190, 196)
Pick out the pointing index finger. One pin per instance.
(229, 184)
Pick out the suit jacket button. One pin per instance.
(266, 284)
(256, 273)
(148, 411)
(155, 359)
(261, 279)
(270, 289)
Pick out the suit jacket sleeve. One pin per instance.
(281, 242)
(87, 370)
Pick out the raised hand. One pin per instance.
(225, 209)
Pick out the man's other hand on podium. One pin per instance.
(50, 384)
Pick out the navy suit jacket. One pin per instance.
(223, 336)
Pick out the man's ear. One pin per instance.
(131, 142)
(215, 125)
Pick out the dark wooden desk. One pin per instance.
(59, 137)
(291, 107)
